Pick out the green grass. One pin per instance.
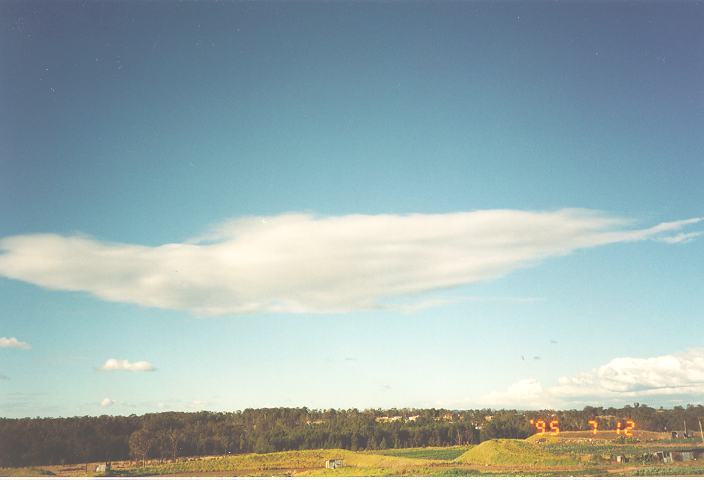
(458, 472)
(427, 453)
(604, 449)
(309, 462)
(471, 472)
(669, 471)
(511, 458)
(26, 472)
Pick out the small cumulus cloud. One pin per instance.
(621, 379)
(299, 263)
(4, 377)
(113, 364)
(12, 342)
(107, 402)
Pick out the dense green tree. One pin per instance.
(140, 443)
(44, 441)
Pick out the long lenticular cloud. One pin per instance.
(306, 263)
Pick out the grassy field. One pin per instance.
(602, 435)
(569, 454)
(428, 453)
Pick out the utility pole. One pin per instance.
(701, 432)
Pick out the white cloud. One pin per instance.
(12, 342)
(525, 393)
(682, 237)
(679, 375)
(304, 263)
(107, 402)
(114, 364)
(674, 374)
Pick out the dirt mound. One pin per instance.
(513, 452)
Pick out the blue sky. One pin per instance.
(272, 153)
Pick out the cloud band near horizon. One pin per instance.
(676, 375)
(304, 263)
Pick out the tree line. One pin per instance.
(48, 441)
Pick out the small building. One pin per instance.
(103, 468)
(621, 459)
(413, 418)
(664, 457)
(315, 422)
(688, 456)
(333, 463)
(680, 434)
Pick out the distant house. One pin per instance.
(333, 463)
(679, 456)
(413, 418)
(388, 419)
(315, 422)
(680, 434)
(103, 468)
